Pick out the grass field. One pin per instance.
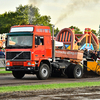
(46, 86)
(2, 71)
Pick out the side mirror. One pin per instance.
(37, 40)
(6, 42)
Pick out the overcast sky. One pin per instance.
(64, 13)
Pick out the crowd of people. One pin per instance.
(91, 54)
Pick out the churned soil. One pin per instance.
(85, 93)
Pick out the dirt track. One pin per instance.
(6, 80)
(87, 93)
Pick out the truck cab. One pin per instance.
(27, 48)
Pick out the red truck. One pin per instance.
(30, 50)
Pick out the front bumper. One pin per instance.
(19, 68)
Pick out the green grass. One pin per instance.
(2, 68)
(3, 71)
(46, 86)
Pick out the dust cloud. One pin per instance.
(35, 2)
(70, 8)
(74, 6)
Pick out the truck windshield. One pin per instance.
(19, 41)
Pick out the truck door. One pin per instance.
(39, 47)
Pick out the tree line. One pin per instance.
(28, 14)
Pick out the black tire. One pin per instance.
(18, 74)
(68, 71)
(44, 72)
(56, 73)
(77, 71)
(74, 71)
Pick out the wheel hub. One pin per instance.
(78, 72)
(44, 72)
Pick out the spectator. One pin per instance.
(3, 50)
(2, 55)
(85, 53)
(95, 56)
(90, 53)
(98, 59)
(99, 54)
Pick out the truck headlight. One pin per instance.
(29, 63)
(7, 68)
(7, 63)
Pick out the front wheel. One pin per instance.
(44, 72)
(18, 74)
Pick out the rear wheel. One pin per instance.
(18, 74)
(77, 71)
(68, 71)
(44, 72)
(74, 71)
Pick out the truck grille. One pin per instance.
(18, 55)
(18, 63)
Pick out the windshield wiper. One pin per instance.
(10, 46)
(26, 46)
(19, 46)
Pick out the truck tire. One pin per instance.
(68, 71)
(18, 74)
(77, 71)
(74, 71)
(56, 73)
(44, 72)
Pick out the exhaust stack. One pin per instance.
(53, 44)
